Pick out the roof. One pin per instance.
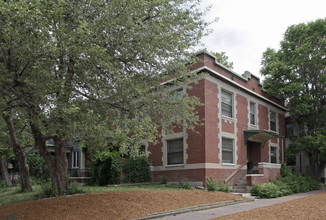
(260, 136)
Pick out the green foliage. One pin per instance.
(38, 168)
(184, 184)
(48, 191)
(211, 184)
(285, 170)
(107, 167)
(296, 73)
(73, 188)
(223, 59)
(163, 180)
(217, 185)
(267, 190)
(2, 184)
(137, 170)
(287, 184)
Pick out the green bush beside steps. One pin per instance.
(288, 183)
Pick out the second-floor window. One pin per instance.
(272, 121)
(227, 104)
(252, 113)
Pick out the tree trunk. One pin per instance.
(4, 171)
(20, 156)
(58, 164)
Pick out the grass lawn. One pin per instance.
(13, 195)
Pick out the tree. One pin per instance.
(94, 70)
(223, 59)
(297, 74)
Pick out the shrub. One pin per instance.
(285, 170)
(2, 184)
(73, 188)
(267, 190)
(184, 184)
(224, 187)
(107, 167)
(47, 190)
(38, 168)
(137, 170)
(287, 184)
(163, 180)
(211, 184)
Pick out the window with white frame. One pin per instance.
(227, 104)
(272, 121)
(75, 159)
(252, 113)
(175, 151)
(273, 154)
(227, 150)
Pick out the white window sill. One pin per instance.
(174, 165)
(228, 164)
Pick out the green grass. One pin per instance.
(13, 195)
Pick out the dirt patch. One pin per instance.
(311, 207)
(113, 205)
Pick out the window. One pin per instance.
(142, 149)
(175, 151)
(227, 150)
(273, 154)
(75, 159)
(289, 130)
(272, 121)
(252, 113)
(227, 104)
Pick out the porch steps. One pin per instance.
(240, 186)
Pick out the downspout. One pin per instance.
(282, 139)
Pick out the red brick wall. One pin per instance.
(222, 174)
(211, 122)
(252, 84)
(242, 124)
(193, 175)
(227, 126)
(196, 139)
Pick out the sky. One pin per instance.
(246, 28)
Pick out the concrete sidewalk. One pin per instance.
(231, 209)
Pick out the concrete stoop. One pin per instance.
(241, 186)
(195, 208)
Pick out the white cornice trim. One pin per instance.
(240, 86)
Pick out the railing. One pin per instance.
(235, 172)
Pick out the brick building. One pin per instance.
(242, 136)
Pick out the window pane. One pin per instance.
(273, 155)
(226, 104)
(252, 113)
(227, 150)
(272, 121)
(175, 151)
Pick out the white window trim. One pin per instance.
(174, 136)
